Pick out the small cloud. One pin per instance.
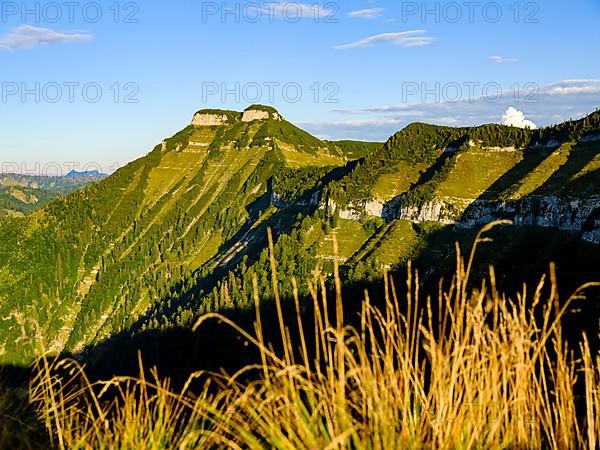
(569, 87)
(411, 38)
(514, 117)
(27, 37)
(502, 60)
(371, 13)
(297, 10)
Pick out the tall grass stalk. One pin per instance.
(474, 370)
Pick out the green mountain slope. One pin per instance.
(436, 158)
(90, 264)
(182, 231)
(426, 172)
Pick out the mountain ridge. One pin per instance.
(523, 156)
(163, 239)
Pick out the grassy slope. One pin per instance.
(493, 162)
(124, 243)
(476, 170)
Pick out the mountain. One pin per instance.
(22, 194)
(183, 230)
(471, 176)
(85, 174)
(90, 264)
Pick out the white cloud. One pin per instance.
(569, 87)
(293, 10)
(411, 38)
(502, 60)
(516, 118)
(27, 36)
(371, 13)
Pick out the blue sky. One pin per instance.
(360, 69)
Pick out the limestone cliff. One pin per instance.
(207, 119)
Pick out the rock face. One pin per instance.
(209, 119)
(257, 114)
(435, 211)
(373, 208)
(578, 216)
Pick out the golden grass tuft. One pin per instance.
(483, 371)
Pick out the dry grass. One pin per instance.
(479, 371)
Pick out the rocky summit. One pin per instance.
(212, 117)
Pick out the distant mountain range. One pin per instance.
(183, 230)
(23, 194)
(86, 174)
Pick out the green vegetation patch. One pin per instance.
(353, 150)
(397, 181)
(265, 108)
(475, 171)
(396, 245)
(350, 236)
(283, 131)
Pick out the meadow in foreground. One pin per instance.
(470, 369)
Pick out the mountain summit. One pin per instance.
(218, 117)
